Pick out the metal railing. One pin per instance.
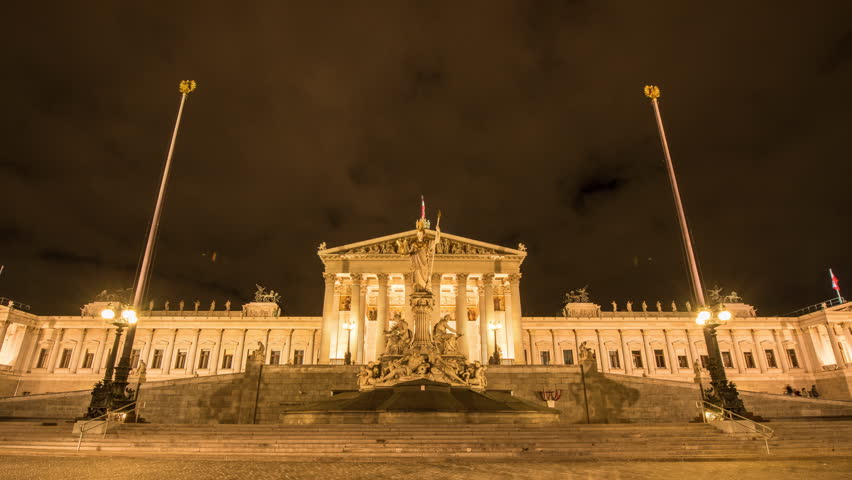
(711, 412)
(13, 304)
(816, 307)
(117, 415)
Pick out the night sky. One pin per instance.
(522, 121)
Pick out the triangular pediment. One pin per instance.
(396, 244)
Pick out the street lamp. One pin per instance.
(494, 326)
(349, 326)
(103, 393)
(723, 393)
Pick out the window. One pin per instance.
(749, 360)
(770, 358)
(42, 358)
(228, 359)
(682, 361)
(660, 358)
(545, 357)
(180, 359)
(88, 359)
(705, 361)
(794, 360)
(157, 361)
(134, 358)
(204, 360)
(727, 361)
(568, 357)
(614, 361)
(637, 358)
(65, 360)
(298, 357)
(275, 357)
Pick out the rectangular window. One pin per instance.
(770, 358)
(228, 359)
(275, 357)
(42, 358)
(682, 361)
(568, 357)
(749, 359)
(614, 360)
(660, 358)
(637, 358)
(794, 360)
(545, 357)
(134, 358)
(65, 360)
(705, 361)
(727, 360)
(157, 361)
(180, 359)
(298, 357)
(204, 360)
(88, 359)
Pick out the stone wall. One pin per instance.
(65, 405)
(211, 399)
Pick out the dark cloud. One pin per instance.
(521, 121)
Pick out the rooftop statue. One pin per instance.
(715, 294)
(421, 252)
(262, 296)
(732, 298)
(581, 295)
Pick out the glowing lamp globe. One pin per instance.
(107, 314)
(724, 315)
(129, 315)
(703, 316)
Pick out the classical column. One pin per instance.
(553, 345)
(671, 352)
(738, 361)
(761, 360)
(108, 341)
(4, 326)
(289, 347)
(355, 315)
(532, 347)
(170, 350)
(23, 360)
(692, 351)
(54, 357)
(408, 278)
(96, 363)
(487, 316)
(329, 318)
(651, 364)
(810, 349)
(627, 357)
(145, 352)
(218, 353)
(311, 355)
(779, 352)
(436, 295)
(266, 350)
(382, 314)
(832, 337)
(193, 352)
(802, 351)
(75, 358)
(576, 348)
(602, 353)
(515, 330)
(461, 314)
(239, 356)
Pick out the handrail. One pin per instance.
(110, 415)
(748, 423)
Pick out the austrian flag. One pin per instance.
(834, 282)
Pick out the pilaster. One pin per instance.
(487, 316)
(329, 317)
(356, 316)
(382, 314)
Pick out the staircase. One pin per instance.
(365, 442)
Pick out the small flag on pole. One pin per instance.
(834, 282)
(422, 207)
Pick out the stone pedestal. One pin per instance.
(261, 309)
(422, 305)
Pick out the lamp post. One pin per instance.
(104, 393)
(349, 326)
(710, 316)
(494, 326)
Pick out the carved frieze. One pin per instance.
(400, 246)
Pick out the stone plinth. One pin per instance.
(261, 309)
(422, 305)
(581, 309)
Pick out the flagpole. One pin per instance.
(653, 93)
(435, 244)
(835, 285)
(123, 368)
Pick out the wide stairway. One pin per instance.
(363, 442)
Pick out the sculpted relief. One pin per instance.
(445, 246)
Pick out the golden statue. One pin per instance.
(186, 86)
(652, 91)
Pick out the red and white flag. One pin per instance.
(422, 207)
(835, 284)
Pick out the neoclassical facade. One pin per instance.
(366, 288)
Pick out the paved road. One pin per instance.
(100, 467)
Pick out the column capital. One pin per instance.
(487, 278)
(329, 278)
(356, 278)
(383, 278)
(515, 277)
(462, 277)
(408, 278)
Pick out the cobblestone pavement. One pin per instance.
(100, 467)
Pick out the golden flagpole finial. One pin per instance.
(652, 92)
(186, 86)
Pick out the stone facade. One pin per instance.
(367, 284)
